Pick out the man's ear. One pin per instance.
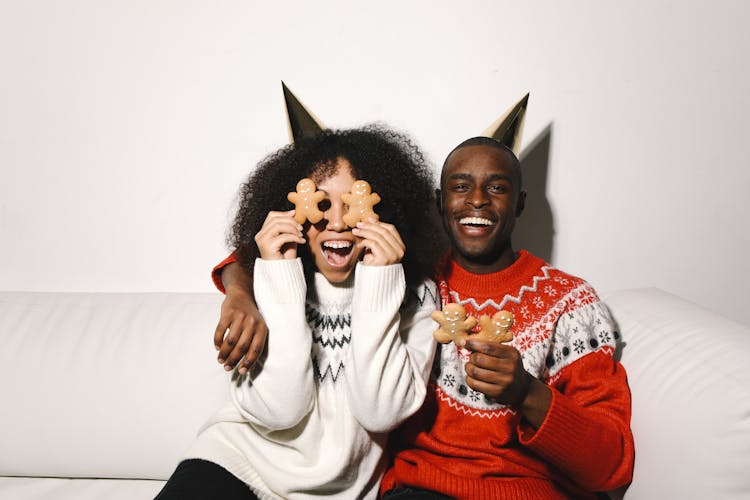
(439, 201)
(521, 203)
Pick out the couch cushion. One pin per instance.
(105, 385)
(689, 373)
(42, 488)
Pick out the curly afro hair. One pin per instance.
(392, 164)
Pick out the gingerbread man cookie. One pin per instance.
(360, 201)
(306, 201)
(454, 323)
(496, 328)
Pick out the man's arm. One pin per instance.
(241, 331)
(590, 395)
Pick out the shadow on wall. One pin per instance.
(535, 229)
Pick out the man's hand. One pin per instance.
(496, 370)
(241, 331)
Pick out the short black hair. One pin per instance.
(488, 141)
(390, 161)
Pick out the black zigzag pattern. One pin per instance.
(423, 294)
(323, 322)
(321, 376)
(318, 321)
(333, 343)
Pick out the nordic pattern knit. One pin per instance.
(464, 445)
(344, 364)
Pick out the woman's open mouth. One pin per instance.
(338, 253)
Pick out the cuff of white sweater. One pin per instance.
(279, 281)
(378, 288)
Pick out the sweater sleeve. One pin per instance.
(586, 433)
(216, 271)
(279, 393)
(392, 347)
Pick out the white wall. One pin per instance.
(126, 127)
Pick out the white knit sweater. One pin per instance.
(344, 364)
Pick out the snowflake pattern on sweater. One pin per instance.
(465, 445)
(558, 320)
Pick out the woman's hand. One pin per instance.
(383, 245)
(279, 236)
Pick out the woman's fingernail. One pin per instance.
(221, 361)
(227, 368)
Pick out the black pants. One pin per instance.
(202, 480)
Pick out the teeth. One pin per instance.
(477, 221)
(337, 244)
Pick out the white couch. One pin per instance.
(101, 393)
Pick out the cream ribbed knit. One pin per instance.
(344, 364)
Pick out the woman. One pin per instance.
(350, 336)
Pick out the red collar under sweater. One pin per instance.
(461, 436)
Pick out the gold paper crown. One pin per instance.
(301, 122)
(508, 129)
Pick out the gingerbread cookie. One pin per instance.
(454, 323)
(306, 201)
(360, 201)
(496, 328)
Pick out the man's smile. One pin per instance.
(475, 221)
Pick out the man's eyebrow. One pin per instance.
(499, 177)
(489, 178)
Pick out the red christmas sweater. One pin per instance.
(216, 271)
(464, 445)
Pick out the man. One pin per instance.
(547, 416)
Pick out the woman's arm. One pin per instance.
(278, 392)
(392, 347)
